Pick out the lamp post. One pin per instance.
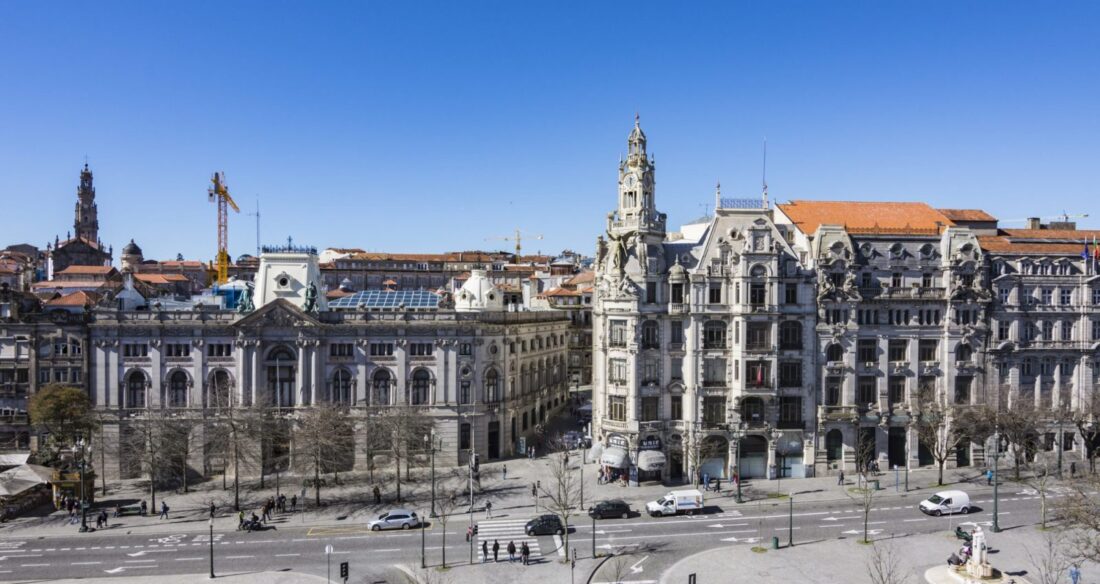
(211, 523)
(996, 478)
(83, 499)
(328, 562)
(790, 521)
(429, 439)
(737, 438)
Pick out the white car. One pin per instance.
(946, 502)
(395, 519)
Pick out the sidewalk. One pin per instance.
(242, 578)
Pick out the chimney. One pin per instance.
(1034, 223)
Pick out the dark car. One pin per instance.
(613, 508)
(545, 525)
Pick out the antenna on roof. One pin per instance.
(764, 173)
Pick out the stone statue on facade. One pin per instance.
(601, 252)
(641, 249)
(311, 298)
(825, 286)
(245, 305)
(850, 289)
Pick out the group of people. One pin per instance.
(524, 551)
(71, 505)
(607, 475)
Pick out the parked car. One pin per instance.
(946, 502)
(676, 502)
(121, 510)
(612, 508)
(395, 519)
(545, 525)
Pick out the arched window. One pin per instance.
(177, 390)
(834, 353)
(135, 390)
(280, 377)
(492, 386)
(963, 352)
(380, 388)
(421, 382)
(219, 390)
(790, 335)
(340, 388)
(524, 421)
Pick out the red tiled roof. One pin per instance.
(866, 216)
(181, 264)
(560, 292)
(80, 298)
(86, 270)
(967, 215)
(88, 242)
(62, 284)
(585, 277)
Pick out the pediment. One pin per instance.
(279, 313)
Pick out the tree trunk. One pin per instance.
(397, 475)
(236, 478)
(317, 483)
(943, 462)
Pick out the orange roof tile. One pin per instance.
(561, 292)
(74, 299)
(584, 277)
(1081, 235)
(866, 216)
(84, 270)
(967, 215)
(51, 284)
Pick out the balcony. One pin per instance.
(714, 383)
(616, 343)
(899, 367)
(835, 367)
(714, 424)
(651, 426)
(675, 346)
(759, 347)
(929, 367)
(679, 308)
(868, 366)
(837, 413)
(651, 345)
(715, 345)
(790, 424)
(758, 385)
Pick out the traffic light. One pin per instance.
(344, 570)
(475, 462)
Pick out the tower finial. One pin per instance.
(764, 174)
(637, 119)
(717, 196)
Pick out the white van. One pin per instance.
(690, 501)
(946, 502)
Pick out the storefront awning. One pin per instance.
(651, 460)
(615, 457)
(596, 451)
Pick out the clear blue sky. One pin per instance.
(400, 126)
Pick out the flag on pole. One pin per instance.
(1085, 252)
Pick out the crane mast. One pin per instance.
(219, 194)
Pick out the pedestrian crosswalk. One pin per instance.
(504, 531)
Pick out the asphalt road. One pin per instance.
(655, 542)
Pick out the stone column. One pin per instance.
(317, 388)
(361, 373)
(155, 374)
(400, 371)
(255, 378)
(300, 373)
(112, 374)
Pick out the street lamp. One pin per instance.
(211, 522)
(328, 562)
(429, 439)
(996, 478)
(736, 433)
(84, 451)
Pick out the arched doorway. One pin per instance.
(177, 390)
(340, 388)
(380, 387)
(280, 377)
(421, 383)
(754, 457)
(218, 392)
(135, 389)
(714, 457)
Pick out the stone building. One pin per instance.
(902, 306)
(700, 340)
(486, 378)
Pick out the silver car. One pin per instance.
(395, 519)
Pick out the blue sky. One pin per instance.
(404, 126)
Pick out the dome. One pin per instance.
(479, 294)
(677, 271)
(345, 284)
(131, 249)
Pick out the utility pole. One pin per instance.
(996, 479)
(790, 521)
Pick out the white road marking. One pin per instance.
(912, 520)
(238, 557)
(86, 563)
(189, 559)
(32, 565)
(293, 555)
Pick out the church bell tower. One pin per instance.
(86, 223)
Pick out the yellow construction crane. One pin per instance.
(219, 193)
(517, 238)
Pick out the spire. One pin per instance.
(636, 141)
(86, 222)
(717, 197)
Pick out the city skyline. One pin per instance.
(415, 121)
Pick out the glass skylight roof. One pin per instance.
(388, 299)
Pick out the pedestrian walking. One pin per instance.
(212, 509)
(144, 508)
(505, 472)
(1072, 470)
(469, 533)
(718, 485)
(988, 477)
(525, 553)
(840, 478)
(377, 495)
(240, 519)
(484, 551)
(293, 503)
(488, 509)
(511, 551)
(163, 510)
(496, 549)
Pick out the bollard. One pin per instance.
(775, 543)
(874, 485)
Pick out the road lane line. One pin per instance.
(293, 555)
(238, 557)
(385, 551)
(912, 520)
(138, 561)
(86, 563)
(189, 559)
(32, 565)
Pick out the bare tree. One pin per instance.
(444, 508)
(865, 495)
(1079, 516)
(1041, 480)
(1020, 426)
(236, 432)
(152, 445)
(884, 565)
(1049, 560)
(322, 442)
(564, 487)
(1087, 420)
(935, 430)
(403, 429)
(698, 449)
